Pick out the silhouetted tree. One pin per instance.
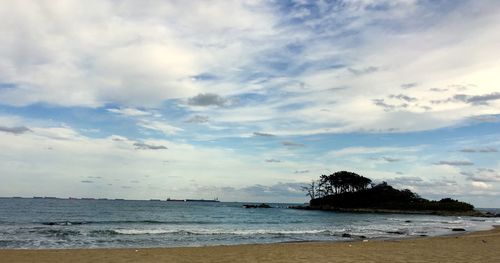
(342, 182)
(311, 190)
(337, 183)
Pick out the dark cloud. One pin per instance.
(427, 108)
(301, 171)
(485, 170)
(467, 173)
(198, 119)
(390, 159)
(204, 77)
(389, 107)
(87, 181)
(409, 181)
(486, 118)
(273, 161)
(263, 134)
(477, 99)
(403, 97)
(145, 146)
(381, 103)
(279, 189)
(292, 144)
(379, 130)
(480, 150)
(363, 71)
(15, 130)
(409, 85)
(441, 101)
(438, 90)
(208, 99)
(406, 181)
(482, 175)
(461, 87)
(470, 99)
(455, 163)
(7, 85)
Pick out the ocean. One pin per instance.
(62, 223)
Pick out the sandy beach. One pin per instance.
(483, 246)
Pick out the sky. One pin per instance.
(248, 100)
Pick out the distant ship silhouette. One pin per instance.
(193, 200)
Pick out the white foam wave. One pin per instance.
(143, 231)
(242, 232)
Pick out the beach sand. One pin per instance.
(480, 247)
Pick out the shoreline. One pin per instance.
(456, 247)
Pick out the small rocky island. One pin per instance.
(349, 192)
(263, 205)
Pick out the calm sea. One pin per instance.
(58, 223)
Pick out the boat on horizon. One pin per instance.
(175, 200)
(215, 200)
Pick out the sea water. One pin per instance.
(62, 223)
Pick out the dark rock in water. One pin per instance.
(301, 207)
(257, 206)
(408, 221)
(490, 214)
(346, 235)
(423, 235)
(458, 229)
(362, 237)
(396, 232)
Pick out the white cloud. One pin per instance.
(138, 55)
(481, 185)
(373, 150)
(89, 54)
(160, 126)
(130, 112)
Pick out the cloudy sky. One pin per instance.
(248, 100)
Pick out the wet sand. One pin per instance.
(483, 247)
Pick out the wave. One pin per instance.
(453, 222)
(212, 232)
(70, 223)
(59, 232)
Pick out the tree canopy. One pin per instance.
(337, 183)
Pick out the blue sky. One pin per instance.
(248, 100)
